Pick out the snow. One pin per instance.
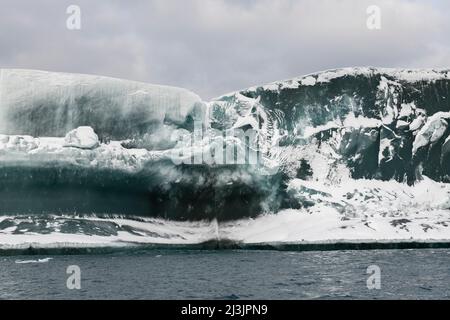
(409, 75)
(16, 143)
(417, 123)
(375, 211)
(360, 121)
(81, 137)
(432, 131)
(46, 150)
(290, 84)
(294, 226)
(144, 231)
(402, 124)
(407, 110)
(310, 131)
(308, 81)
(383, 217)
(350, 121)
(385, 146)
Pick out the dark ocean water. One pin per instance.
(243, 274)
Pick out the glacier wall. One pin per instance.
(40, 103)
(322, 131)
(381, 123)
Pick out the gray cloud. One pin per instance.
(216, 46)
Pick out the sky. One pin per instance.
(213, 47)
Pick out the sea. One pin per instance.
(229, 275)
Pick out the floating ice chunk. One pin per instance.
(17, 143)
(432, 131)
(45, 260)
(82, 137)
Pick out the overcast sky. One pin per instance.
(216, 46)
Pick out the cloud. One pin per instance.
(216, 46)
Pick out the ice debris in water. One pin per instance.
(82, 137)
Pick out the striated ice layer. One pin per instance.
(50, 104)
(47, 175)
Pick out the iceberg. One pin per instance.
(81, 137)
(353, 153)
(49, 104)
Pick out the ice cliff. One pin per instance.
(89, 144)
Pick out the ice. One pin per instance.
(361, 122)
(432, 131)
(308, 81)
(44, 260)
(80, 151)
(18, 143)
(323, 77)
(342, 142)
(376, 211)
(382, 211)
(39, 103)
(417, 123)
(81, 137)
(131, 232)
